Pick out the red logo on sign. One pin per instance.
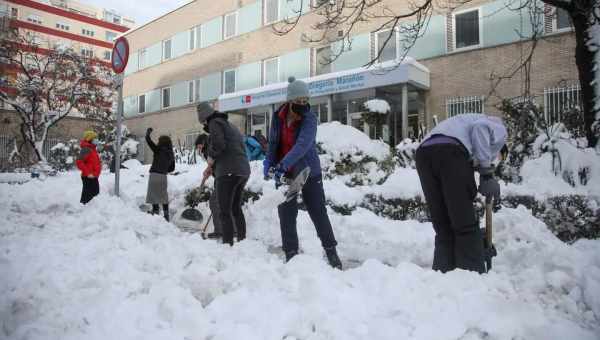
(247, 99)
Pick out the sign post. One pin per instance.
(120, 56)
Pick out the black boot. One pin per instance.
(166, 211)
(333, 258)
(289, 255)
(154, 209)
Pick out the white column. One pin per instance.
(404, 112)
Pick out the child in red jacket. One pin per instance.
(89, 164)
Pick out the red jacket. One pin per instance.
(288, 133)
(88, 161)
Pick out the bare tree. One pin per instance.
(44, 85)
(338, 20)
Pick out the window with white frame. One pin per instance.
(167, 49)
(229, 81)
(559, 100)
(191, 91)
(110, 36)
(461, 105)
(271, 71)
(466, 29)
(192, 42)
(107, 55)
(197, 90)
(14, 12)
(87, 52)
(190, 139)
(562, 19)
(271, 10)
(166, 97)
(34, 19)
(230, 25)
(389, 51)
(63, 26)
(142, 103)
(87, 32)
(323, 60)
(142, 58)
(198, 30)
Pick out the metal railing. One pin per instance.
(557, 100)
(461, 105)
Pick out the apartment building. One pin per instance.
(57, 24)
(227, 52)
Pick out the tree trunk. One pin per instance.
(584, 58)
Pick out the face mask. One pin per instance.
(95, 142)
(300, 109)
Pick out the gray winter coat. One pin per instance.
(483, 136)
(226, 147)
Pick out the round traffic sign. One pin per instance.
(120, 55)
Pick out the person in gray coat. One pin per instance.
(228, 163)
(446, 161)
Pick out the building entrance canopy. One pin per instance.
(409, 71)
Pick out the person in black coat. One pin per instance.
(163, 162)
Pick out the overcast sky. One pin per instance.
(141, 11)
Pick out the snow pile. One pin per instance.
(377, 105)
(107, 270)
(339, 140)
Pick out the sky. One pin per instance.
(142, 11)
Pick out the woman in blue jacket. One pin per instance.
(292, 148)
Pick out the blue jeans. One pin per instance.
(314, 199)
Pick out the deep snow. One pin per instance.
(111, 271)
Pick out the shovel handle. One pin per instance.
(488, 222)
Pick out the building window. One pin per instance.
(63, 26)
(192, 42)
(87, 32)
(389, 51)
(461, 105)
(271, 9)
(466, 29)
(198, 30)
(230, 25)
(166, 97)
(34, 19)
(107, 55)
(197, 90)
(14, 12)
(229, 81)
(191, 91)
(167, 49)
(563, 21)
(142, 58)
(142, 103)
(88, 53)
(559, 100)
(323, 60)
(111, 36)
(270, 71)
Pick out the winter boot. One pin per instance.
(289, 255)
(155, 210)
(166, 211)
(333, 258)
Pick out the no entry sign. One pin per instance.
(120, 55)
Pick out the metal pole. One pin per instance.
(118, 145)
(404, 111)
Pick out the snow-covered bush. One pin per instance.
(405, 153)
(376, 115)
(63, 155)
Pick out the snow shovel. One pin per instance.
(489, 250)
(193, 214)
(203, 232)
(295, 184)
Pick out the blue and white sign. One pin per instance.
(346, 81)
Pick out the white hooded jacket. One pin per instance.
(483, 136)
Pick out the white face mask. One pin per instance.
(95, 142)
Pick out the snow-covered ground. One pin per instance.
(110, 271)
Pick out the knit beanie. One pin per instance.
(204, 109)
(296, 89)
(89, 135)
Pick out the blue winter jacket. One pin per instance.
(253, 149)
(303, 153)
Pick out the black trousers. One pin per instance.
(314, 199)
(90, 189)
(447, 179)
(229, 195)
